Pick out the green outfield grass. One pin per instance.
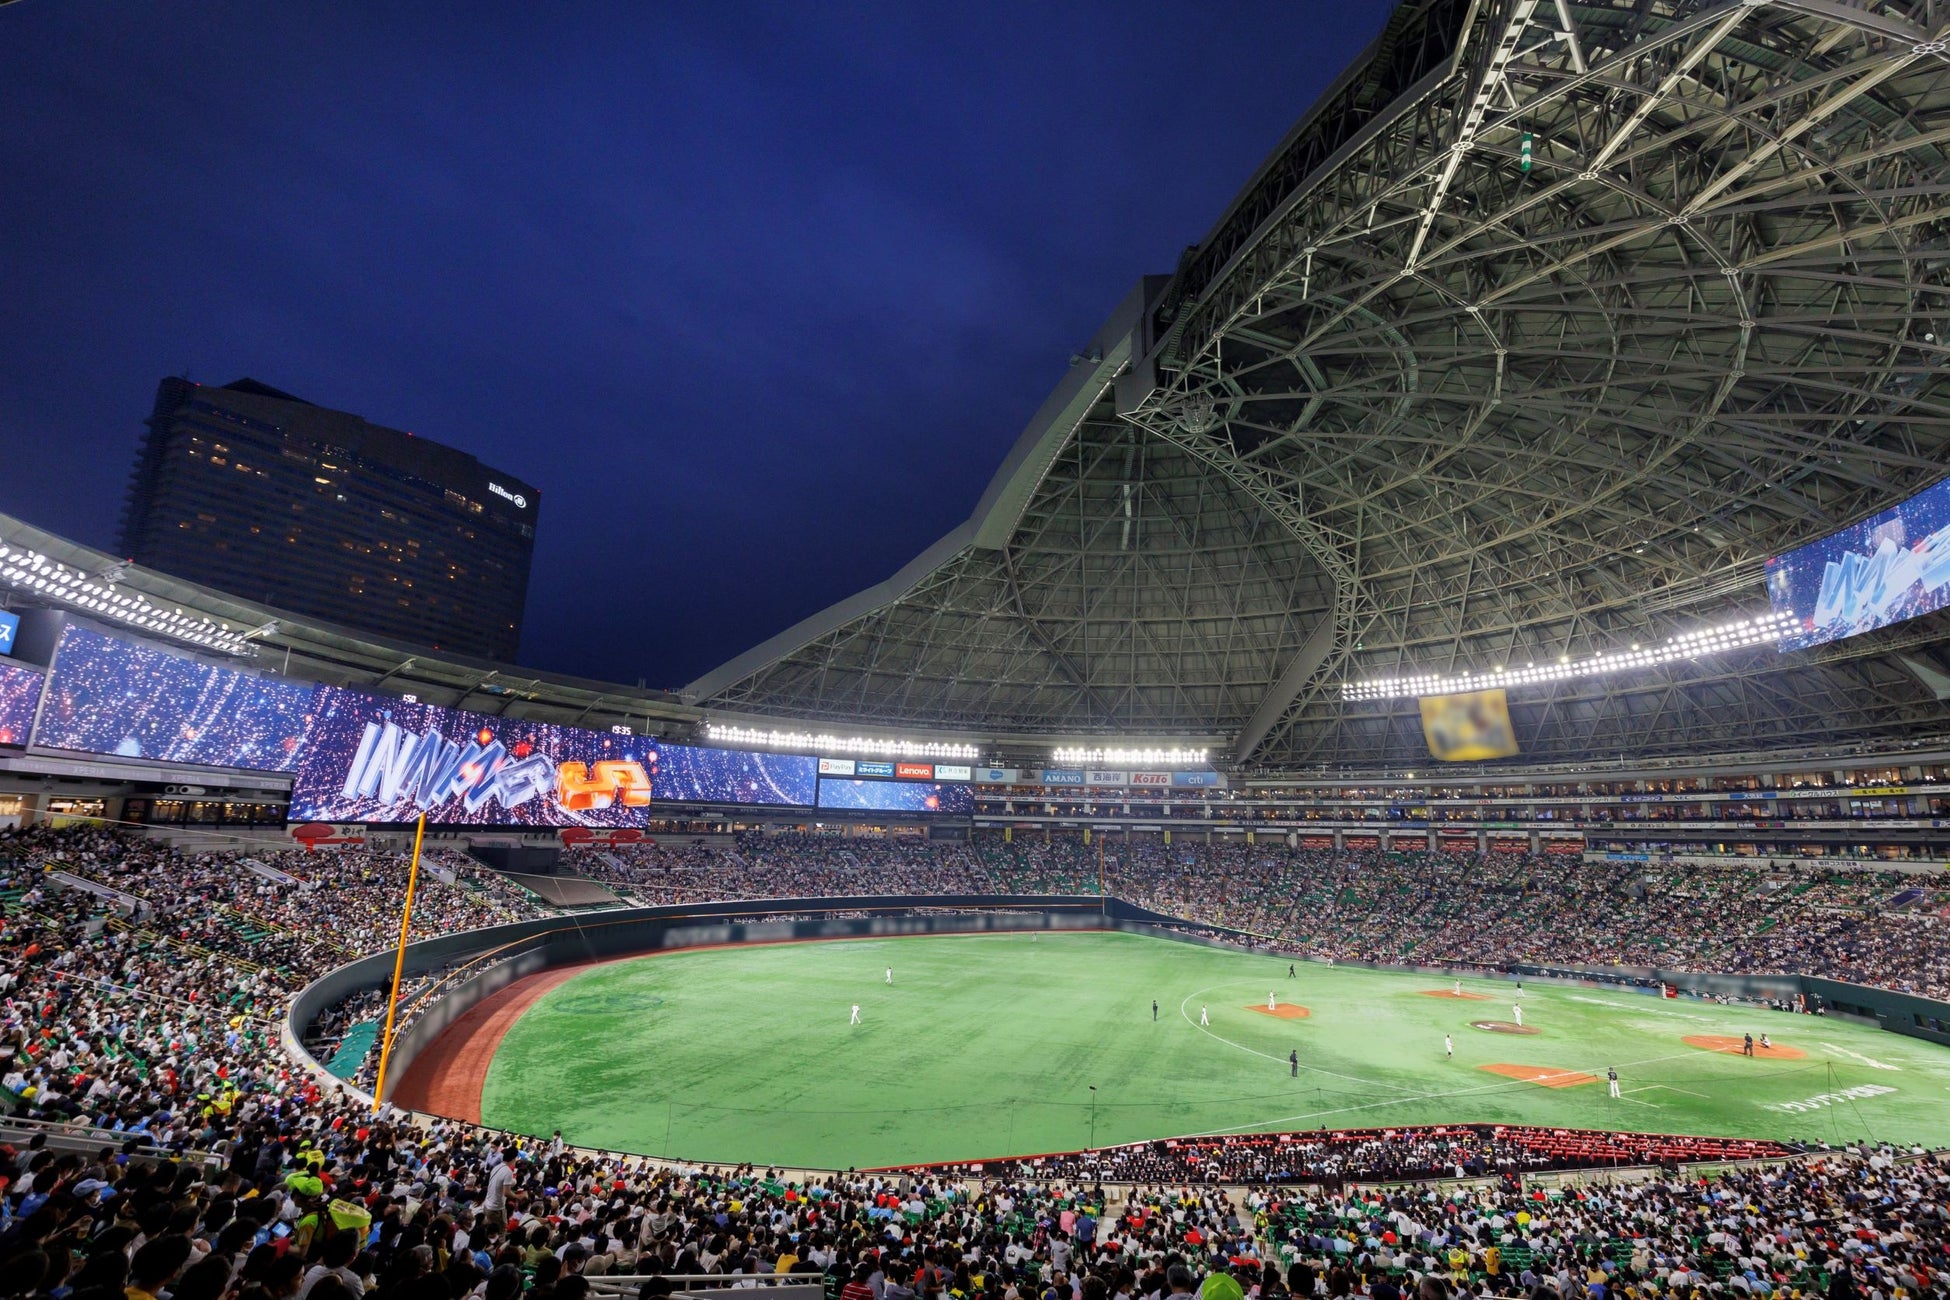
(988, 1046)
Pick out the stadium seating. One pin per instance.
(154, 1029)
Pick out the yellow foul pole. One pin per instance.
(399, 963)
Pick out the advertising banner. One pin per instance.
(1151, 778)
(836, 767)
(1060, 777)
(865, 768)
(895, 796)
(9, 629)
(1196, 780)
(1468, 727)
(1107, 778)
(998, 776)
(320, 835)
(914, 771)
(953, 772)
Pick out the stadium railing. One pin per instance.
(713, 1286)
(86, 1140)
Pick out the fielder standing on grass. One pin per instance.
(1293, 1060)
(1611, 1077)
(856, 1015)
(890, 974)
(1448, 1047)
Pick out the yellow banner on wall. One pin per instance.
(1465, 728)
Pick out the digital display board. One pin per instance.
(134, 700)
(895, 796)
(1890, 567)
(376, 758)
(696, 774)
(20, 691)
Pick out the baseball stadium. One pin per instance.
(1427, 769)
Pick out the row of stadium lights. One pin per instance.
(1119, 758)
(1762, 629)
(29, 570)
(825, 743)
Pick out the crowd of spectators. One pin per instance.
(1340, 1156)
(157, 1019)
(1496, 909)
(317, 1200)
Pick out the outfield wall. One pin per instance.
(478, 963)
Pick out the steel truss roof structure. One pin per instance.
(1535, 338)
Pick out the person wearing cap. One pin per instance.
(1219, 1284)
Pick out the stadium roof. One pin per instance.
(1538, 334)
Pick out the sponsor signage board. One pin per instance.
(836, 767)
(997, 776)
(953, 772)
(1151, 778)
(1195, 779)
(1108, 778)
(914, 771)
(1050, 776)
(865, 768)
(9, 629)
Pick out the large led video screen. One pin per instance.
(132, 700)
(20, 691)
(1891, 567)
(376, 758)
(895, 796)
(695, 774)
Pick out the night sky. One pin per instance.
(759, 296)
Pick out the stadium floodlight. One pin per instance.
(28, 570)
(1761, 629)
(1175, 756)
(826, 743)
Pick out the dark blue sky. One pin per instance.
(757, 295)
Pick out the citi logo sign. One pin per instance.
(520, 501)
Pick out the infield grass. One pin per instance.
(987, 1045)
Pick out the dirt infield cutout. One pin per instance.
(1503, 1027)
(1732, 1046)
(1284, 1011)
(1451, 993)
(1542, 1075)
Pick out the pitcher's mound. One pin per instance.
(1542, 1075)
(1284, 1011)
(1502, 1027)
(1451, 993)
(1732, 1046)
